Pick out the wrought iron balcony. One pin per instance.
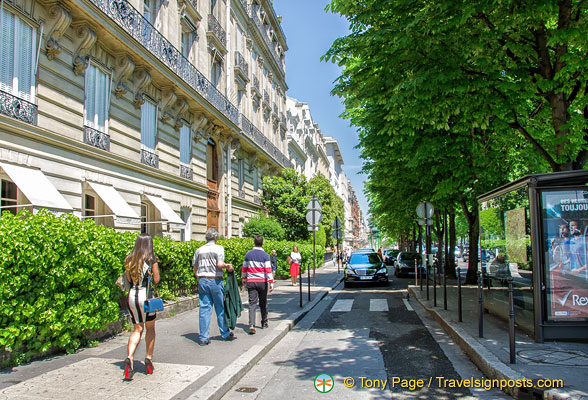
(257, 137)
(186, 171)
(20, 109)
(139, 28)
(255, 82)
(241, 194)
(266, 98)
(96, 138)
(241, 65)
(257, 199)
(216, 28)
(266, 38)
(148, 157)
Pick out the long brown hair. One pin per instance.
(142, 252)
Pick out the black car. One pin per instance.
(390, 256)
(404, 265)
(365, 267)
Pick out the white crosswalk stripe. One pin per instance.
(342, 305)
(378, 305)
(407, 304)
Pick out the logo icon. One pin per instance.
(324, 383)
(563, 300)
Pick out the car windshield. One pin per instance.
(410, 256)
(365, 258)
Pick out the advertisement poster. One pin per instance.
(565, 231)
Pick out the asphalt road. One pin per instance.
(388, 345)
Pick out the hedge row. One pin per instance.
(58, 277)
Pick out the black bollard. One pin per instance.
(300, 282)
(427, 278)
(511, 321)
(459, 294)
(434, 286)
(480, 307)
(421, 278)
(445, 288)
(416, 273)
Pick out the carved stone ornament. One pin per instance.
(86, 38)
(199, 123)
(124, 68)
(260, 62)
(252, 161)
(270, 75)
(142, 79)
(249, 43)
(263, 169)
(181, 106)
(167, 102)
(235, 146)
(61, 20)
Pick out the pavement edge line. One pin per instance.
(223, 381)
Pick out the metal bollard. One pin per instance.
(427, 278)
(459, 318)
(434, 286)
(445, 288)
(416, 273)
(511, 321)
(421, 279)
(480, 307)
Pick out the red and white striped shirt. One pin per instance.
(257, 266)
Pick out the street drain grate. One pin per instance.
(245, 389)
(568, 358)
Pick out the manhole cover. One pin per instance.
(569, 358)
(246, 389)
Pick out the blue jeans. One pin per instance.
(211, 292)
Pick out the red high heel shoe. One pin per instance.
(128, 375)
(149, 366)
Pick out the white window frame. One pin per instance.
(241, 173)
(94, 123)
(14, 88)
(145, 145)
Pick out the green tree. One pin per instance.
(267, 227)
(332, 205)
(285, 197)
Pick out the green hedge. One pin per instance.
(58, 277)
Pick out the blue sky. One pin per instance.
(310, 31)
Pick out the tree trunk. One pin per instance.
(474, 234)
(452, 243)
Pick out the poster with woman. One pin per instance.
(565, 229)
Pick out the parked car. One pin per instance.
(365, 250)
(390, 256)
(404, 265)
(465, 254)
(365, 268)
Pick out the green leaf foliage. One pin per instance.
(267, 227)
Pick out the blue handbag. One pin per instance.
(152, 304)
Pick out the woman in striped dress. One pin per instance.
(141, 266)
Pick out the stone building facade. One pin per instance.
(155, 115)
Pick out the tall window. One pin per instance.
(17, 57)
(240, 94)
(212, 6)
(149, 10)
(240, 40)
(148, 126)
(211, 161)
(185, 145)
(8, 197)
(216, 70)
(97, 98)
(241, 167)
(144, 217)
(255, 179)
(186, 231)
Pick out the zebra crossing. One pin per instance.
(376, 305)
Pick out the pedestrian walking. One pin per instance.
(257, 275)
(294, 260)
(274, 261)
(209, 263)
(142, 271)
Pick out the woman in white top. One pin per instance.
(295, 259)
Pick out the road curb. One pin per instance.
(488, 363)
(223, 381)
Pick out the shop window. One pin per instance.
(97, 98)
(144, 218)
(17, 57)
(89, 206)
(8, 197)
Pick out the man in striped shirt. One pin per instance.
(257, 275)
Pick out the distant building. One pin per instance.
(144, 115)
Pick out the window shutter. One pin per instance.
(7, 52)
(90, 101)
(25, 60)
(102, 81)
(148, 125)
(185, 147)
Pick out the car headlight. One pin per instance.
(382, 270)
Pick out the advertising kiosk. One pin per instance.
(535, 231)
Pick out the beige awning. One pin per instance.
(36, 187)
(114, 200)
(167, 213)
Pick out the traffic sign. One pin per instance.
(427, 221)
(314, 217)
(336, 223)
(337, 234)
(425, 210)
(313, 204)
(314, 228)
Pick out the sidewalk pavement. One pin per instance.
(550, 360)
(183, 369)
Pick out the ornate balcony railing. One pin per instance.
(20, 109)
(241, 64)
(148, 157)
(216, 28)
(257, 199)
(96, 138)
(186, 171)
(266, 99)
(241, 194)
(254, 134)
(266, 38)
(139, 28)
